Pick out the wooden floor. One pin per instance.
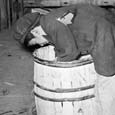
(16, 75)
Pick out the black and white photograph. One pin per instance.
(57, 57)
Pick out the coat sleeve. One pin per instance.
(104, 49)
(65, 46)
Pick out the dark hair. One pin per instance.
(27, 39)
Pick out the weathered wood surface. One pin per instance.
(64, 91)
(66, 2)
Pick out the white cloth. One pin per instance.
(105, 87)
(67, 19)
(38, 31)
(39, 38)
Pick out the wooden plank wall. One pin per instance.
(11, 10)
(67, 2)
(14, 10)
(2, 14)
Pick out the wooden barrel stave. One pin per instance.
(63, 96)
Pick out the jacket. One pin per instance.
(91, 31)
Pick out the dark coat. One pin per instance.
(92, 31)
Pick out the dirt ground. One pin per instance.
(16, 77)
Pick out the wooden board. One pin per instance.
(67, 2)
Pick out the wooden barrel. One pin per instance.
(63, 88)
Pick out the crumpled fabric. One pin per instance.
(92, 31)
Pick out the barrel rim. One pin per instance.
(62, 64)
